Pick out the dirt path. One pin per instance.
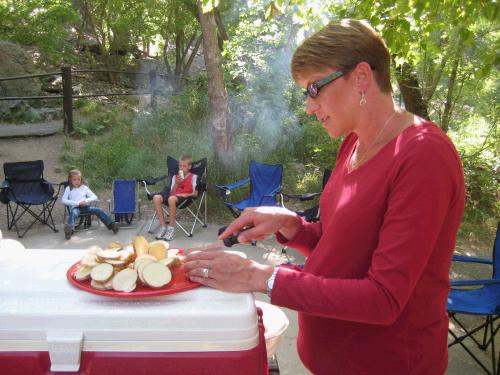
(47, 149)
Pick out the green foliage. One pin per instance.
(40, 23)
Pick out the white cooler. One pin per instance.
(47, 326)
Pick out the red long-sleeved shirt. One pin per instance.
(372, 297)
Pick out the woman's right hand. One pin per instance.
(263, 222)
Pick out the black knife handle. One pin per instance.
(231, 239)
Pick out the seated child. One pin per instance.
(182, 187)
(77, 196)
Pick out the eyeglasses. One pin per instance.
(313, 88)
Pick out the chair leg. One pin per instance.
(272, 365)
(43, 217)
(488, 325)
(151, 223)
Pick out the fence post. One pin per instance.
(152, 87)
(67, 99)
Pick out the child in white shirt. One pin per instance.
(78, 196)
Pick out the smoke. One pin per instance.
(259, 56)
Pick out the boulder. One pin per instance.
(15, 61)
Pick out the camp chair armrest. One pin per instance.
(462, 258)
(272, 194)
(5, 184)
(302, 197)
(234, 185)
(151, 180)
(54, 185)
(478, 282)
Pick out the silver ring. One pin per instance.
(204, 272)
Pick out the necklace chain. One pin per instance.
(361, 159)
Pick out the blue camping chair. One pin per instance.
(25, 191)
(483, 299)
(125, 205)
(265, 188)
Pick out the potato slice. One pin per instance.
(131, 289)
(170, 262)
(141, 245)
(127, 256)
(116, 262)
(145, 256)
(158, 249)
(165, 244)
(103, 255)
(89, 260)
(94, 249)
(102, 272)
(124, 280)
(97, 285)
(156, 275)
(140, 268)
(108, 285)
(115, 245)
(83, 273)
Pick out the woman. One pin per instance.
(372, 296)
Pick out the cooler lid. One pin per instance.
(38, 303)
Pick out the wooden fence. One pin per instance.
(67, 96)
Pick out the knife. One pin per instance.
(229, 241)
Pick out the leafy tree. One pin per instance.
(40, 23)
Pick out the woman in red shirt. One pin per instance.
(372, 296)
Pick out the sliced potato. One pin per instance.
(127, 256)
(115, 245)
(97, 285)
(94, 249)
(158, 249)
(83, 273)
(141, 245)
(124, 280)
(116, 262)
(89, 260)
(170, 262)
(131, 289)
(145, 256)
(165, 244)
(101, 272)
(103, 255)
(156, 275)
(140, 268)
(108, 285)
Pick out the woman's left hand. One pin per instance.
(226, 271)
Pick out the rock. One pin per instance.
(15, 61)
(53, 84)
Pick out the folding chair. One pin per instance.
(23, 189)
(125, 205)
(199, 202)
(84, 219)
(310, 214)
(482, 300)
(265, 188)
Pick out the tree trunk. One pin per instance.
(217, 94)
(410, 89)
(448, 105)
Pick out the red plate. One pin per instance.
(179, 283)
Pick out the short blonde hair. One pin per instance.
(343, 45)
(186, 158)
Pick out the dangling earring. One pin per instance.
(362, 101)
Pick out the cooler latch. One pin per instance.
(64, 350)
